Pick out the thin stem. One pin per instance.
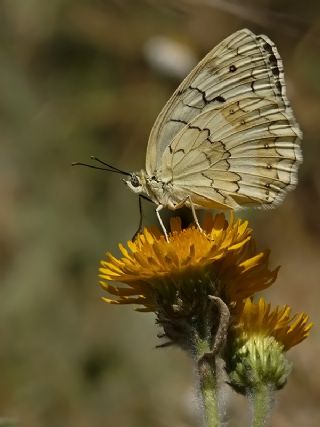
(262, 399)
(208, 386)
(213, 332)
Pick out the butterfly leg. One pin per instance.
(194, 213)
(140, 220)
(161, 223)
(182, 203)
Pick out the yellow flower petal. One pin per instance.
(257, 319)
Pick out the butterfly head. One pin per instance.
(137, 182)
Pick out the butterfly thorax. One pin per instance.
(158, 191)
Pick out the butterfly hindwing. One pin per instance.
(246, 152)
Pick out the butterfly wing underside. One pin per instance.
(227, 136)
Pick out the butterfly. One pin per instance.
(227, 137)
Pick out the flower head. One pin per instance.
(258, 340)
(221, 260)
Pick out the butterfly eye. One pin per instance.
(135, 181)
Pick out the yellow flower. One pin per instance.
(258, 320)
(222, 261)
(257, 345)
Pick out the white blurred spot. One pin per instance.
(169, 57)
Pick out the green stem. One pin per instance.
(208, 387)
(262, 398)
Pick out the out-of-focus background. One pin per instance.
(89, 77)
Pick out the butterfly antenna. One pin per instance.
(110, 168)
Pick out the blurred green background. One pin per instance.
(89, 77)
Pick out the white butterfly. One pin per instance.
(227, 137)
